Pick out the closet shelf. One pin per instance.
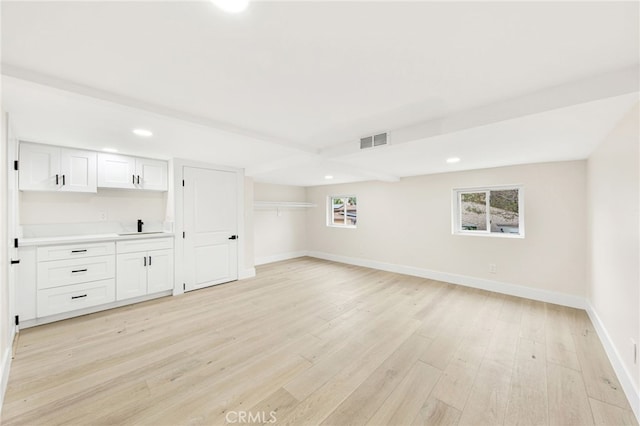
(281, 205)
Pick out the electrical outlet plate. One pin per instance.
(102, 215)
(493, 268)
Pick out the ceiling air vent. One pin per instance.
(372, 141)
(366, 142)
(380, 139)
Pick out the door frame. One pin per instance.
(175, 214)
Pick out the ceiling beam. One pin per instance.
(611, 84)
(106, 96)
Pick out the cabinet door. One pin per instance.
(152, 173)
(78, 169)
(159, 271)
(39, 166)
(116, 171)
(131, 276)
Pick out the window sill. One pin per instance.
(343, 226)
(489, 234)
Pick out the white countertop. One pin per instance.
(90, 238)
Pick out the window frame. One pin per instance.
(456, 211)
(330, 222)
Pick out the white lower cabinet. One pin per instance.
(75, 271)
(68, 278)
(160, 271)
(72, 276)
(143, 272)
(131, 279)
(67, 298)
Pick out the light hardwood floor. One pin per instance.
(317, 342)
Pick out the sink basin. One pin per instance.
(141, 233)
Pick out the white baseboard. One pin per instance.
(93, 309)
(6, 367)
(624, 376)
(278, 257)
(484, 284)
(247, 273)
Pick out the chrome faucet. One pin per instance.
(140, 223)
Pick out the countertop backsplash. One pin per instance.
(49, 230)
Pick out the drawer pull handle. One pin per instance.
(149, 260)
(79, 270)
(133, 179)
(78, 297)
(145, 260)
(57, 180)
(79, 251)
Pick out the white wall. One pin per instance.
(248, 237)
(614, 233)
(120, 206)
(278, 234)
(408, 223)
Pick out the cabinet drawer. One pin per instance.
(133, 246)
(64, 299)
(73, 251)
(74, 271)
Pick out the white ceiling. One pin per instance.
(286, 89)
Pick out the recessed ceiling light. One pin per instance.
(328, 177)
(143, 133)
(232, 6)
(109, 150)
(453, 160)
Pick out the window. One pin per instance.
(494, 211)
(342, 211)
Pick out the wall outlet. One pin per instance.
(634, 348)
(102, 215)
(493, 268)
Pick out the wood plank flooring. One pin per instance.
(312, 342)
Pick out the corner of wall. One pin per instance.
(624, 376)
(7, 357)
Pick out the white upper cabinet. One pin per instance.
(52, 168)
(152, 174)
(121, 171)
(116, 171)
(39, 167)
(78, 170)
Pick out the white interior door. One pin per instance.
(210, 225)
(12, 213)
